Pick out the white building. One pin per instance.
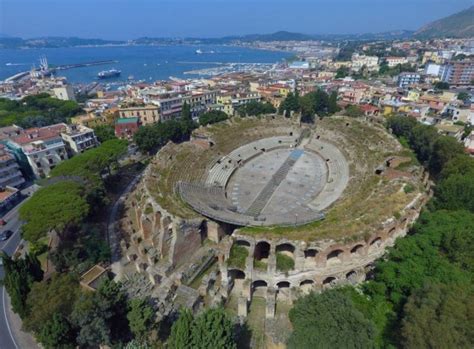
(371, 62)
(432, 69)
(43, 147)
(79, 138)
(65, 93)
(394, 61)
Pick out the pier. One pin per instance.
(21, 75)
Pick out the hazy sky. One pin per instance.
(126, 19)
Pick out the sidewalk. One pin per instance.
(23, 340)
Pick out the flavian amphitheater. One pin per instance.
(264, 210)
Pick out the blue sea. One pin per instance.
(141, 62)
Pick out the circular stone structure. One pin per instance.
(273, 181)
(286, 209)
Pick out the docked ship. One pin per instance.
(106, 74)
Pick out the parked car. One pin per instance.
(2, 222)
(5, 235)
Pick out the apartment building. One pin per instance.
(408, 79)
(10, 174)
(148, 114)
(43, 148)
(359, 61)
(458, 72)
(79, 138)
(394, 61)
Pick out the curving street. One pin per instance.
(11, 336)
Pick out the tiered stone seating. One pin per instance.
(220, 173)
(338, 173)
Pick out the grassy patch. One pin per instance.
(238, 255)
(260, 265)
(284, 263)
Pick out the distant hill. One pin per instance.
(42, 42)
(459, 25)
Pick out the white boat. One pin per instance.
(199, 52)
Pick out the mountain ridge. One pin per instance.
(457, 25)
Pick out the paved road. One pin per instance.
(7, 337)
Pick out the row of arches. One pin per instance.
(260, 286)
(312, 255)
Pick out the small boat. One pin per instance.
(199, 52)
(131, 77)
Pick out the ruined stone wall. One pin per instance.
(317, 265)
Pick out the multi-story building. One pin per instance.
(458, 72)
(147, 114)
(407, 79)
(79, 138)
(125, 128)
(370, 62)
(43, 147)
(394, 61)
(10, 174)
(200, 101)
(170, 107)
(64, 92)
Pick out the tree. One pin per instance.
(181, 331)
(439, 316)
(444, 149)
(36, 111)
(463, 96)
(333, 107)
(101, 316)
(212, 117)
(140, 317)
(426, 255)
(254, 108)
(51, 297)
(104, 133)
(57, 207)
(213, 329)
(401, 126)
(354, 111)
(342, 72)
(56, 333)
(421, 140)
(440, 85)
(20, 274)
(456, 192)
(290, 104)
(329, 320)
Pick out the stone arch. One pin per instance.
(259, 288)
(357, 249)
(352, 276)
(286, 248)
(329, 282)
(262, 250)
(310, 257)
(306, 286)
(334, 257)
(310, 253)
(237, 278)
(283, 290)
(243, 243)
(375, 244)
(283, 284)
